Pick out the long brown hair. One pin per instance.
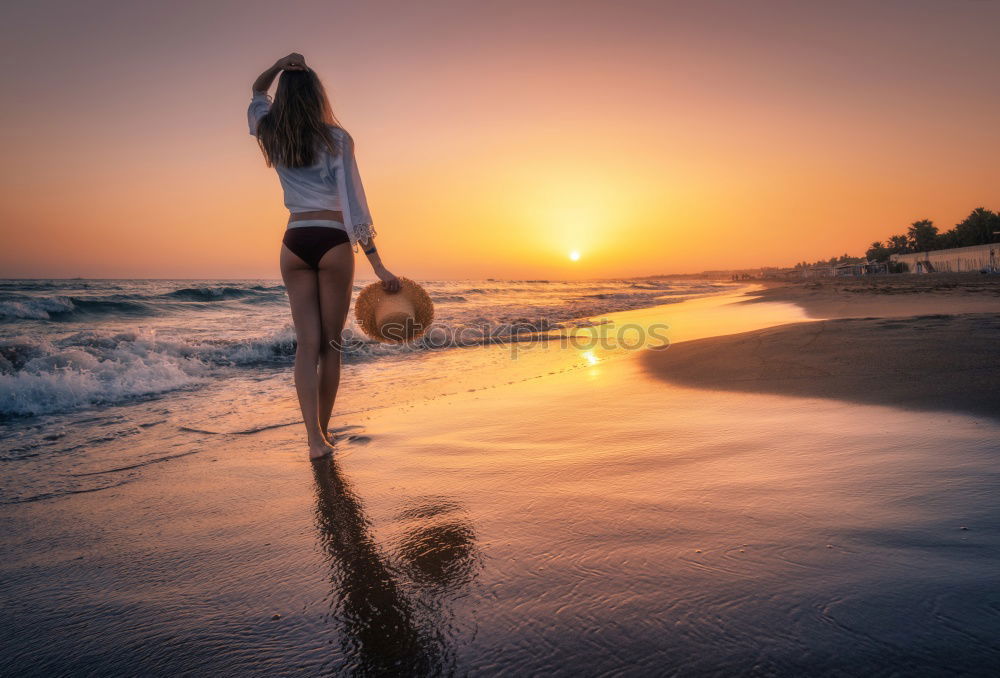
(296, 126)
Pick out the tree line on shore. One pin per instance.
(831, 262)
(982, 226)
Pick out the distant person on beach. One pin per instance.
(328, 216)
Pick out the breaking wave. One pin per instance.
(95, 368)
(63, 352)
(223, 293)
(68, 308)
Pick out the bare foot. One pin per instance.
(320, 449)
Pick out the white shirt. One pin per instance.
(323, 185)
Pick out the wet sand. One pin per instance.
(928, 362)
(922, 342)
(590, 521)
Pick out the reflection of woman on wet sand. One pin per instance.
(382, 632)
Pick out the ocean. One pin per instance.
(87, 364)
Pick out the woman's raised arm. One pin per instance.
(292, 62)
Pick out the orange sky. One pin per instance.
(494, 138)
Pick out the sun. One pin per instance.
(574, 256)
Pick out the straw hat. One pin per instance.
(397, 317)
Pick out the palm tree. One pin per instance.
(877, 252)
(898, 244)
(923, 235)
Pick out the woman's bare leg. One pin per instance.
(302, 286)
(336, 276)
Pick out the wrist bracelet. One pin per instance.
(367, 250)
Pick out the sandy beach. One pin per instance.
(922, 342)
(887, 296)
(745, 502)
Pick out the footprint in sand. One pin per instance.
(342, 434)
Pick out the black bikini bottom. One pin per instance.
(310, 243)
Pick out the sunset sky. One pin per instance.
(496, 138)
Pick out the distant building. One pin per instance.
(849, 269)
(816, 272)
(954, 260)
(839, 270)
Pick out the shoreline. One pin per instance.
(548, 516)
(886, 295)
(920, 342)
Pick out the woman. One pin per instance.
(328, 216)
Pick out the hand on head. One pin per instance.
(292, 62)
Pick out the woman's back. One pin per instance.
(311, 188)
(331, 183)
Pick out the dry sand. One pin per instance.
(888, 296)
(918, 342)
